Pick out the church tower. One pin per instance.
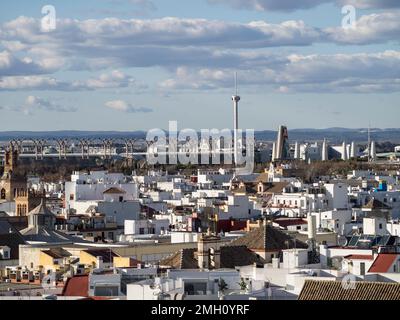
(11, 183)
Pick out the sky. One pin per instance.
(132, 65)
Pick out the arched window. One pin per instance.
(3, 194)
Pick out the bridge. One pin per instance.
(40, 149)
(83, 148)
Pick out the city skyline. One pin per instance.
(131, 65)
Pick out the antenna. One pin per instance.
(236, 84)
(369, 141)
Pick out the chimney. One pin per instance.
(311, 225)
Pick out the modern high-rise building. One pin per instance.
(325, 156)
(282, 144)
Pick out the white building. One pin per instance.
(375, 226)
(149, 226)
(238, 207)
(84, 188)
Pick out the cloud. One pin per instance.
(34, 103)
(209, 49)
(290, 5)
(144, 4)
(99, 43)
(123, 106)
(37, 103)
(373, 28)
(372, 72)
(11, 65)
(370, 4)
(30, 83)
(112, 80)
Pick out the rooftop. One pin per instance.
(383, 262)
(334, 290)
(268, 238)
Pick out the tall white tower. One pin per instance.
(353, 150)
(235, 100)
(273, 152)
(344, 154)
(373, 151)
(297, 151)
(324, 156)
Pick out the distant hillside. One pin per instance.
(301, 135)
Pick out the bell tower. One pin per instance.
(11, 160)
(11, 184)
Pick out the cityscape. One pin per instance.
(291, 194)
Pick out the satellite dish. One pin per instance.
(342, 241)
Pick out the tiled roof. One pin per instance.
(41, 209)
(19, 222)
(268, 238)
(11, 238)
(57, 253)
(277, 187)
(76, 286)
(375, 204)
(383, 262)
(289, 222)
(231, 257)
(359, 257)
(114, 190)
(106, 254)
(334, 290)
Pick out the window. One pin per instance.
(121, 199)
(5, 255)
(141, 230)
(3, 194)
(380, 226)
(362, 268)
(71, 196)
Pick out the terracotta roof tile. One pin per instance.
(383, 262)
(268, 238)
(76, 286)
(359, 257)
(334, 290)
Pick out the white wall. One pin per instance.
(121, 211)
(374, 226)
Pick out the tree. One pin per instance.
(242, 284)
(222, 285)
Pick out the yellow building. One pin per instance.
(53, 259)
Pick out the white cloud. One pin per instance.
(37, 103)
(373, 28)
(34, 103)
(123, 106)
(99, 43)
(12, 65)
(291, 5)
(209, 47)
(111, 80)
(302, 73)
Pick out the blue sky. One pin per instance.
(123, 65)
